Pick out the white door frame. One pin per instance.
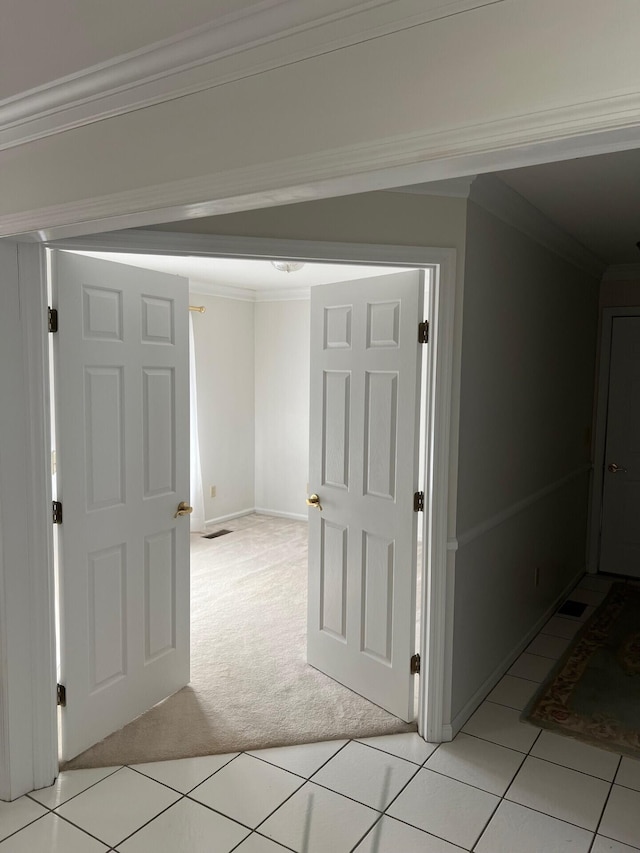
(28, 733)
(434, 644)
(600, 431)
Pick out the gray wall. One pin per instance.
(526, 396)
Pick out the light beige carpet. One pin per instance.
(250, 684)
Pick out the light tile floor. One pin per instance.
(502, 786)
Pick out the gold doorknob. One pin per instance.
(314, 500)
(617, 469)
(183, 509)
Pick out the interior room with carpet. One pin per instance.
(250, 685)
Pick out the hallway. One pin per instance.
(501, 786)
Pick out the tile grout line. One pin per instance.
(166, 784)
(606, 801)
(506, 790)
(64, 802)
(293, 773)
(299, 788)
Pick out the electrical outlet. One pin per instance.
(212, 492)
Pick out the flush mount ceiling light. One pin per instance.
(287, 266)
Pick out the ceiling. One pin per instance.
(243, 278)
(41, 42)
(595, 199)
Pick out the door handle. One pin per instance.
(314, 500)
(183, 509)
(616, 469)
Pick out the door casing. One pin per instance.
(35, 768)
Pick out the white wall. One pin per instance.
(252, 363)
(391, 218)
(224, 342)
(528, 352)
(282, 406)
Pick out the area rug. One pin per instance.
(593, 694)
(251, 686)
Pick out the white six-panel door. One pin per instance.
(364, 442)
(122, 424)
(620, 534)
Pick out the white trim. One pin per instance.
(222, 518)
(245, 294)
(292, 516)
(437, 605)
(483, 691)
(211, 245)
(222, 291)
(622, 272)
(289, 294)
(34, 303)
(593, 127)
(260, 38)
(490, 193)
(28, 736)
(518, 507)
(600, 433)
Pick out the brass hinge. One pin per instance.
(53, 319)
(418, 502)
(61, 695)
(415, 664)
(57, 512)
(423, 332)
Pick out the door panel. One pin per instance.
(122, 412)
(620, 532)
(365, 380)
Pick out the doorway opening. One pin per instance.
(272, 375)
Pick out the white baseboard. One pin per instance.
(231, 515)
(294, 516)
(258, 511)
(483, 691)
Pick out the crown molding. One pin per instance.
(594, 127)
(268, 35)
(490, 193)
(622, 272)
(222, 291)
(288, 294)
(246, 294)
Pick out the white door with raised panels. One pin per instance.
(122, 443)
(364, 444)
